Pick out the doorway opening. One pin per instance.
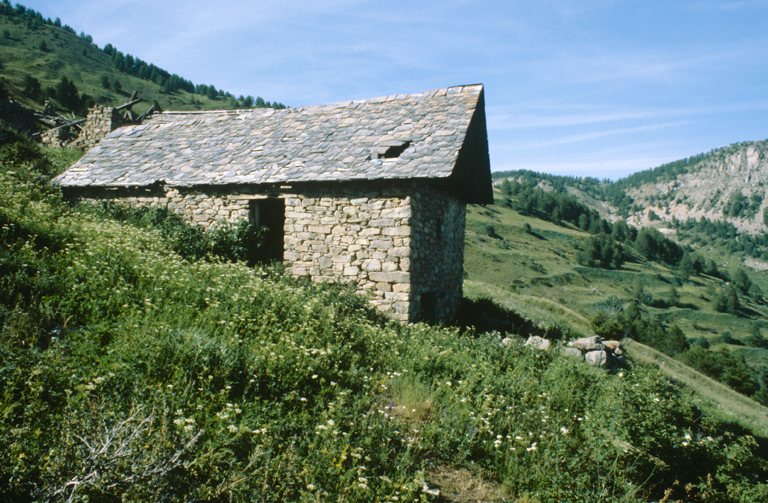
(268, 216)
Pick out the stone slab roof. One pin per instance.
(387, 138)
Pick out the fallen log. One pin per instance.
(74, 123)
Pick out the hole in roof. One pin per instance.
(394, 151)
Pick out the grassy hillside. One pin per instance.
(532, 266)
(32, 48)
(132, 370)
(713, 397)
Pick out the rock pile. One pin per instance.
(593, 350)
(596, 351)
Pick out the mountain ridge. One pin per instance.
(729, 186)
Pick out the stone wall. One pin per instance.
(403, 245)
(200, 208)
(437, 259)
(360, 236)
(61, 137)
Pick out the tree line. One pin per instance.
(723, 235)
(124, 63)
(606, 248)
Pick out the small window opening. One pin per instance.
(394, 151)
(269, 215)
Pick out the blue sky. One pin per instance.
(583, 88)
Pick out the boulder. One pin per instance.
(538, 342)
(593, 343)
(573, 352)
(614, 346)
(597, 357)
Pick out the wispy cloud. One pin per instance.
(502, 118)
(595, 135)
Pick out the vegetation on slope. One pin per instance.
(724, 187)
(41, 59)
(629, 283)
(129, 372)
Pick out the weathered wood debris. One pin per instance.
(49, 128)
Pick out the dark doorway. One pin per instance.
(428, 308)
(269, 215)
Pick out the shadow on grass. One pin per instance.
(484, 315)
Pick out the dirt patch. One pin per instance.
(458, 485)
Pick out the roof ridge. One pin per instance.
(475, 88)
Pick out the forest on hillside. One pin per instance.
(45, 33)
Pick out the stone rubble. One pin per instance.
(593, 350)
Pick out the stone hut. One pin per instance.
(372, 191)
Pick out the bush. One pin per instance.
(231, 242)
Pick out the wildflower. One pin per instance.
(232, 428)
(533, 447)
(310, 487)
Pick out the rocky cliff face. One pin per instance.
(730, 184)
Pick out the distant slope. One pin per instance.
(725, 184)
(532, 267)
(728, 184)
(36, 53)
(715, 201)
